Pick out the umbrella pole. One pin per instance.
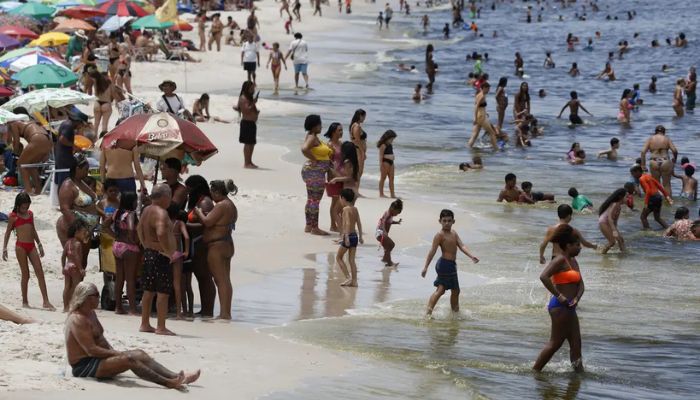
(155, 175)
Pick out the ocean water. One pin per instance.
(639, 316)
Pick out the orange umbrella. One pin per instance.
(73, 25)
(181, 25)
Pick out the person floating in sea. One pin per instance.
(476, 164)
(527, 196)
(351, 232)
(417, 96)
(579, 202)
(653, 199)
(21, 221)
(562, 278)
(382, 232)
(573, 106)
(611, 153)
(446, 266)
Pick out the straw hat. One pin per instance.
(81, 34)
(167, 82)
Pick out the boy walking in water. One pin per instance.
(653, 199)
(350, 238)
(446, 267)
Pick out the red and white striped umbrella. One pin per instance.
(160, 135)
(122, 8)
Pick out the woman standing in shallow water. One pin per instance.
(430, 67)
(562, 277)
(623, 115)
(501, 101)
(678, 97)
(521, 102)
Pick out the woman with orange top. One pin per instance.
(562, 277)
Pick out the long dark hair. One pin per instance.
(502, 82)
(428, 49)
(526, 93)
(198, 187)
(127, 202)
(616, 196)
(349, 152)
(625, 93)
(356, 116)
(331, 129)
(245, 90)
(21, 198)
(385, 137)
(102, 83)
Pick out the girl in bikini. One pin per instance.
(386, 162)
(123, 78)
(106, 93)
(126, 250)
(37, 150)
(481, 118)
(623, 114)
(276, 59)
(609, 214)
(72, 258)
(21, 220)
(678, 97)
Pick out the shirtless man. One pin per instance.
(91, 356)
(510, 193)
(37, 150)
(565, 213)
(574, 104)
(156, 235)
(660, 167)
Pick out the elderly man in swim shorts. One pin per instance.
(156, 235)
(91, 356)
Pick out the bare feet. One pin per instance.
(224, 317)
(317, 231)
(164, 331)
(250, 166)
(48, 306)
(349, 283)
(147, 329)
(176, 383)
(192, 377)
(25, 304)
(307, 229)
(391, 264)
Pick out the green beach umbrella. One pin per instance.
(38, 100)
(6, 116)
(34, 10)
(45, 75)
(151, 22)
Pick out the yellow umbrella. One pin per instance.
(50, 39)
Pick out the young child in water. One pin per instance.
(631, 189)
(383, 227)
(529, 197)
(21, 220)
(417, 96)
(351, 234)
(690, 184)
(611, 153)
(72, 258)
(476, 163)
(446, 266)
(652, 84)
(579, 202)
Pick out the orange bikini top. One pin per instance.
(568, 276)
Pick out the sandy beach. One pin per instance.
(237, 360)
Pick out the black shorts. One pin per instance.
(248, 133)
(250, 66)
(537, 196)
(575, 119)
(655, 203)
(157, 272)
(86, 367)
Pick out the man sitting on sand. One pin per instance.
(91, 356)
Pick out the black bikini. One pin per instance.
(389, 149)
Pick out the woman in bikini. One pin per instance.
(200, 109)
(21, 221)
(562, 277)
(334, 134)
(123, 80)
(37, 150)
(106, 93)
(200, 197)
(219, 225)
(608, 215)
(481, 118)
(678, 97)
(127, 252)
(113, 52)
(285, 7)
(521, 102)
(501, 101)
(76, 201)
(623, 114)
(276, 59)
(349, 175)
(386, 162)
(359, 137)
(202, 30)
(608, 72)
(89, 61)
(217, 29)
(660, 164)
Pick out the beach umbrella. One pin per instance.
(159, 135)
(38, 100)
(7, 116)
(45, 75)
(17, 32)
(30, 60)
(75, 3)
(114, 23)
(16, 20)
(15, 54)
(6, 91)
(181, 25)
(50, 39)
(8, 42)
(122, 8)
(34, 10)
(82, 12)
(9, 5)
(151, 22)
(73, 25)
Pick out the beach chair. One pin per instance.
(169, 52)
